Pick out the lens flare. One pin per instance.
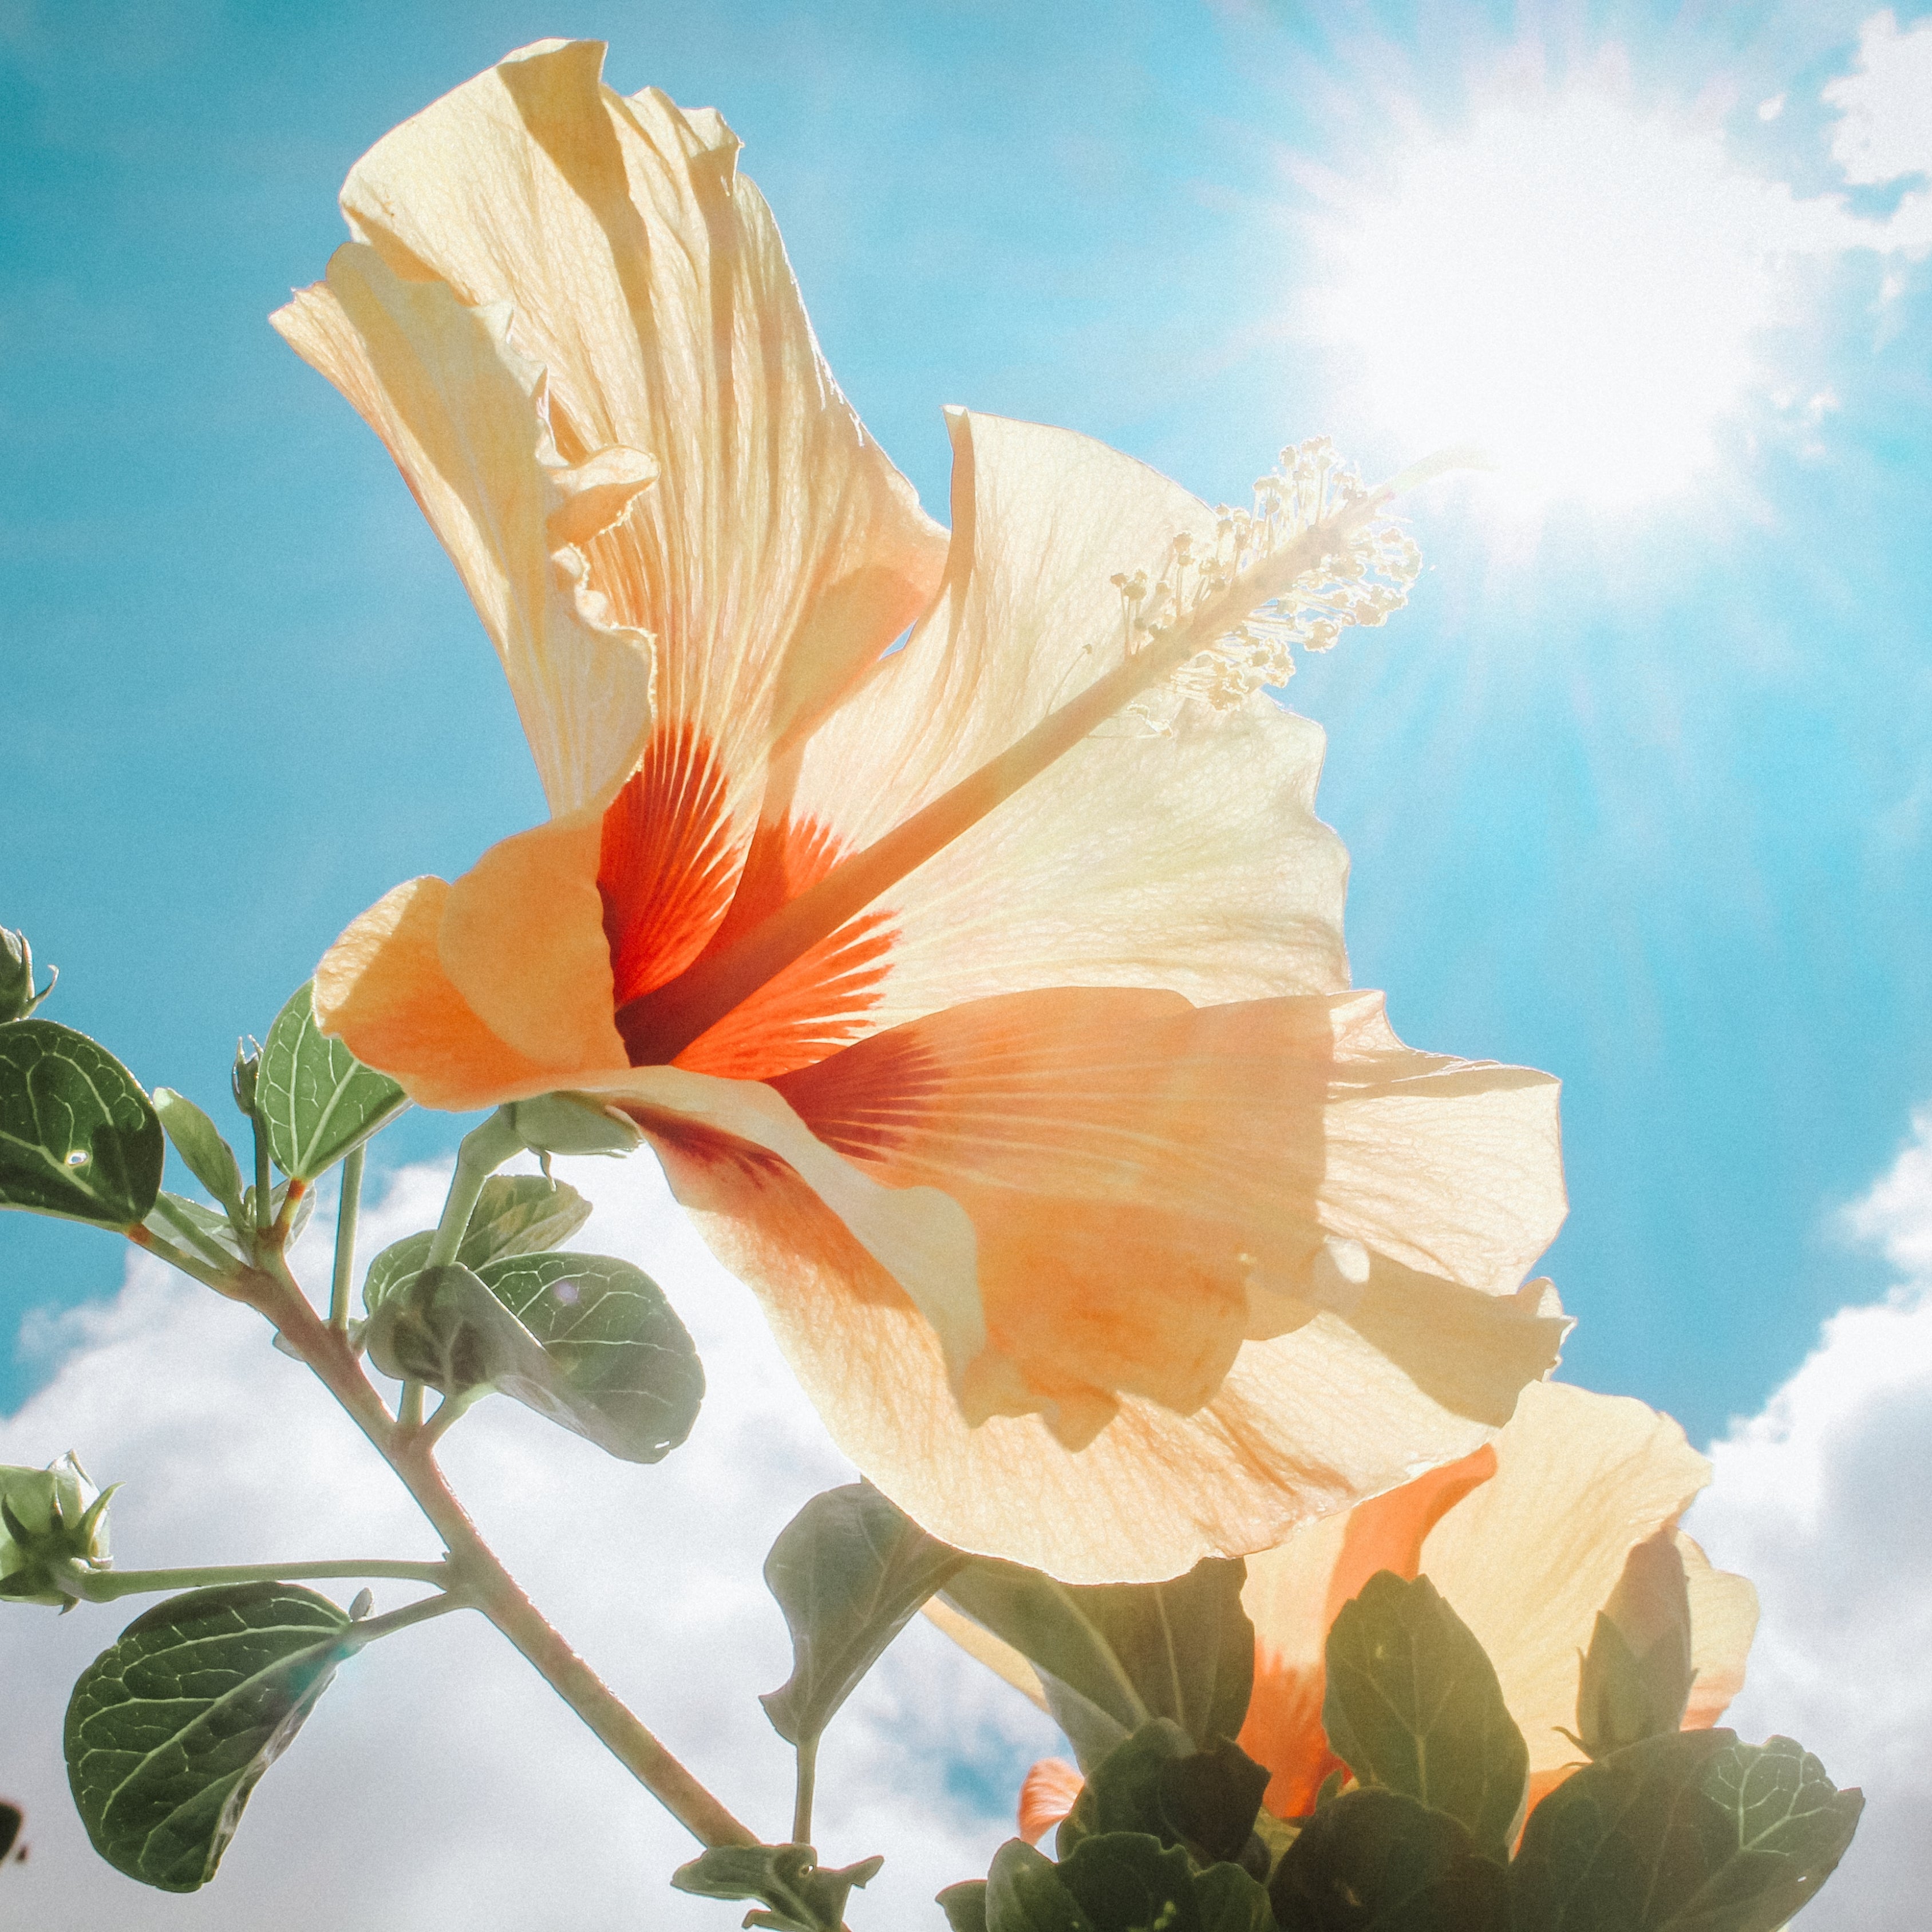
(1571, 286)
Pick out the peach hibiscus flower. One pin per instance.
(1527, 1538)
(984, 999)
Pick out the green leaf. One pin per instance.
(1123, 1792)
(169, 1730)
(630, 1379)
(1693, 1832)
(1127, 1882)
(515, 1214)
(964, 1905)
(1025, 1894)
(1230, 1900)
(198, 1141)
(1378, 1861)
(1157, 1783)
(78, 1137)
(1210, 1800)
(318, 1099)
(11, 1818)
(588, 1342)
(1413, 1704)
(848, 1571)
(1113, 1655)
(800, 1894)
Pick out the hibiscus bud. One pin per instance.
(53, 1526)
(1637, 1677)
(571, 1123)
(17, 996)
(248, 1068)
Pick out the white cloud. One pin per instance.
(1884, 131)
(1823, 1500)
(440, 1784)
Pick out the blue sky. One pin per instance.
(1640, 795)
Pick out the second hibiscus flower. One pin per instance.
(984, 998)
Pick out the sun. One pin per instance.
(1573, 287)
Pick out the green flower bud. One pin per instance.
(53, 1530)
(248, 1068)
(571, 1123)
(1637, 1677)
(17, 996)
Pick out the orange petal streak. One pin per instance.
(818, 1002)
(1386, 1532)
(668, 862)
(1283, 1731)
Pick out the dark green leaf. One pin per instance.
(1112, 1655)
(78, 1137)
(1156, 1783)
(1230, 1900)
(515, 1214)
(1693, 1832)
(1378, 1861)
(800, 1894)
(198, 1141)
(1123, 1792)
(1413, 1704)
(630, 1380)
(964, 1905)
(169, 1731)
(1127, 1882)
(1023, 1894)
(848, 1571)
(11, 1819)
(318, 1098)
(1210, 1799)
(588, 1342)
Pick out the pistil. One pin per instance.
(658, 1025)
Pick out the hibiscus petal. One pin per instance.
(1115, 1145)
(1724, 1620)
(1173, 1172)
(780, 551)
(381, 988)
(1048, 1793)
(1527, 1560)
(522, 939)
(1193, 861)
(463, 414)
(496, 989)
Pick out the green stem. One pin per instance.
(807, 1780)
(348, 1211)
(104, 1586)
(153, 1243)
(409, 1406)
(264, 1216)
(370, 1630)
(481, 1578)
(451, 1408)
(484, 1149)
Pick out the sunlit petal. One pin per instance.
(462, 413)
